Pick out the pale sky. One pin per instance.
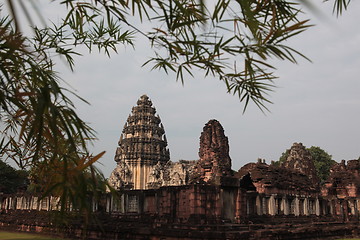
(315, 103)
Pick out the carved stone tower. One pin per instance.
(300, 160)
(142, 145)
(214, 153)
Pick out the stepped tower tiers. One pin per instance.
(142, 145)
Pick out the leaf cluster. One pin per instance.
(39, 126)
(232, 41)
(322, 161)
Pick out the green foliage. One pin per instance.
(12, 180)
(323, 162)
(39, 126)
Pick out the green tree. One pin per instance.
(12, 180)
(322, 161)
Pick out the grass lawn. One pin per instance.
(23, 236)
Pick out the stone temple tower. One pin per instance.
(214, 153)
(300, 160)
(142, 145)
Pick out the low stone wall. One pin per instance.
(151, 227)
(191, 212)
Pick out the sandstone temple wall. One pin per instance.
(213, 203)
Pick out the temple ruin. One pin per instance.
(162, 199)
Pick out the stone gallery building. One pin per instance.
(180, 198)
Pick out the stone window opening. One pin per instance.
(292, 206)
(132, 203)
(311, 206)
(301, 207)
(44, 203)
(278, 210)
(251, 206)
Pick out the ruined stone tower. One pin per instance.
(300, 160)
(142, 145)
(213, 152)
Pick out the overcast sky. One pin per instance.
(315, 103)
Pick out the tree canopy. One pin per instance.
(12, 180)
(323, 162)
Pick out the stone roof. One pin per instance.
(271, 178)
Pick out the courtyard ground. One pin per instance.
(24, 236)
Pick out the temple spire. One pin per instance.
(142, 143)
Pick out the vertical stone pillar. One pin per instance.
(332, 209)
(272, 205)
(317, 207)
(240, 205)
(122, 206)
(264, 205)
(109, 200)
(307, 211)
(283, 206)
(219, 203)
(297, 206)
(18, 203)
